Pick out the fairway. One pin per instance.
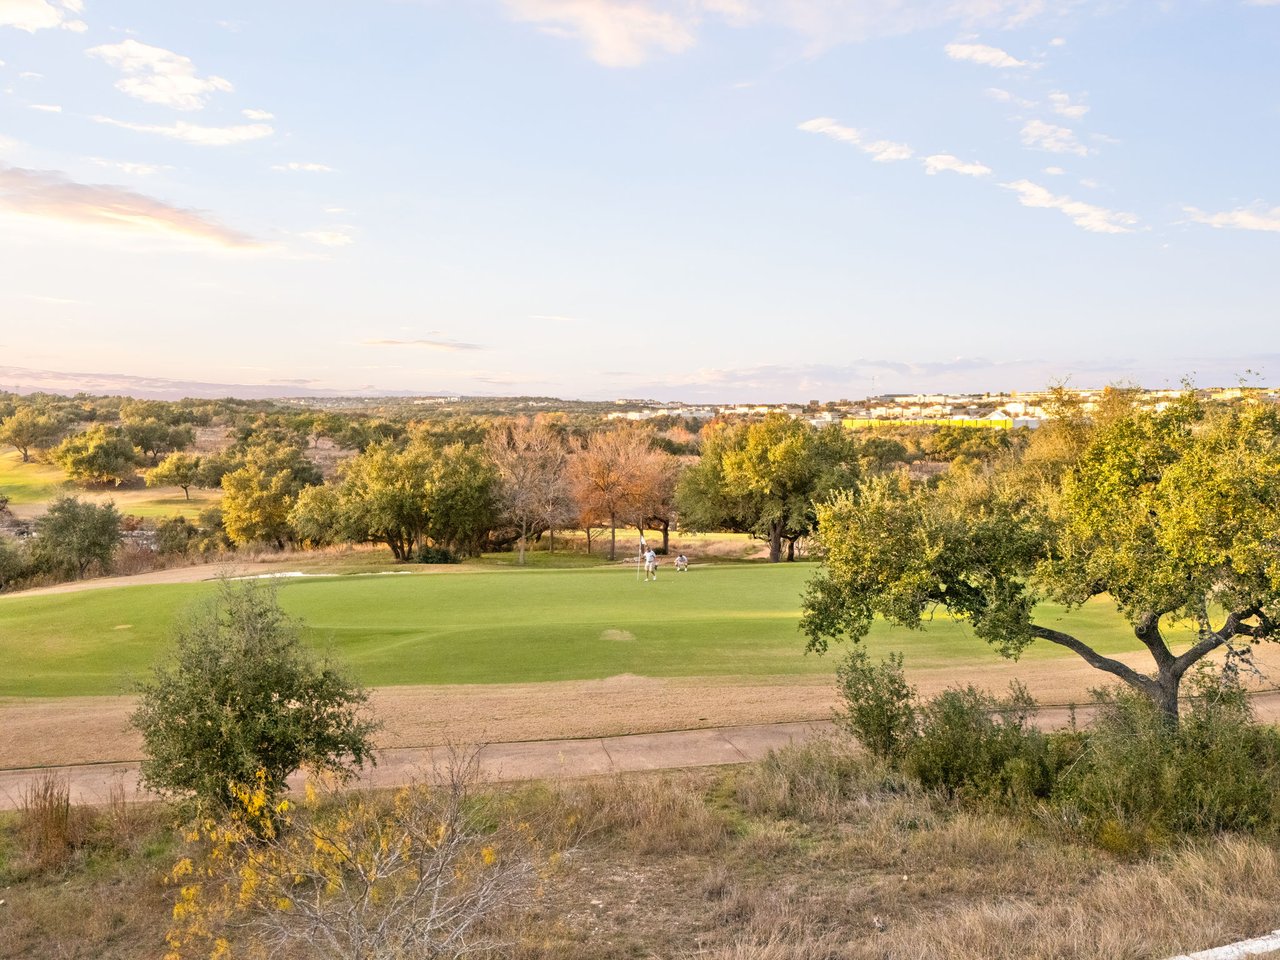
(31, 486)
(484, 625)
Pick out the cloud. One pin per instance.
(194, 133)
(1058, 42)
(983, 54)
(156, 75)
(882, 151)
(329, 238)
(47, 107)
(303, 167)
(1239, 219)
(428, 343)
(136, 169)
(50, 195)
(1046, 136)
(1004, 96)
(1087, 216)
(945, 161)
(33, 15)
(626, 33)
(616, 34)
(258, 114)
(1054, 171)
(1063, 106)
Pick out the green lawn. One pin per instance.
(488, 625)
(29, 486)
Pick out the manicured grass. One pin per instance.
(29, 486)
(490, 625)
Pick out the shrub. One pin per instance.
(425, 872)
(174, 536)
(434, 555)
(978, 746)
(1137, 779)
(879, 704)
(241, 696)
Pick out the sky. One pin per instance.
(734, 200)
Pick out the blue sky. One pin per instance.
(699, 199)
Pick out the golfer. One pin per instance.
(650, 565)
(682, 563)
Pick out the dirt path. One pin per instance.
(544, 759)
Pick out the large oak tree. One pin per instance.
(1173, 515)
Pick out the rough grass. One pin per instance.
(815, 854)
(487, 625)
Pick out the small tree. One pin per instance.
(241, 700)
(177, 470)
(100, 455)
(27, 429)
(73, 535)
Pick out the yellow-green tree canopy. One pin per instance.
(1174, 514)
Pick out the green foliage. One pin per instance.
(73, 535)
(155, 437)
(173, 536)
(1170, 514)
(427, 554)
(100, 455)
(258, 496)
(1135, 779)
(13, 563)
(241, 698)
(879, 704)
(764, 478)
(177, 470)
(977, 746)
(463, 487)
(27, 429)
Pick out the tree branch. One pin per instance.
(1093, 658)
(1233, 626)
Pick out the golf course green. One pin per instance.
(483, 625)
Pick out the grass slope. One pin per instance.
(489, 625)
(30, 486)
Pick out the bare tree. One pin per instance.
(608, 477)
(530, 459)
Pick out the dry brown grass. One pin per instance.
(49, 827)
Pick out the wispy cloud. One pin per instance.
(157, 75)
(47, 107)
(303, 167)
(1047, 136)
(51, 195)
(1087, 216)
(329, 238)
(983, 54)
(939, 162)
(1063, 106)
(197, 134)
(1241, 218)
(429, 343)
(258, 114)
(616, 34)
(1004, 96)
(882, 151)
(626, 33)
(33, 15)
(125, 166)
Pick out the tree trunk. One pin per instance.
(187, 492)
(775, 543)
(522, 536)
(613, 537)
(791, 549)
